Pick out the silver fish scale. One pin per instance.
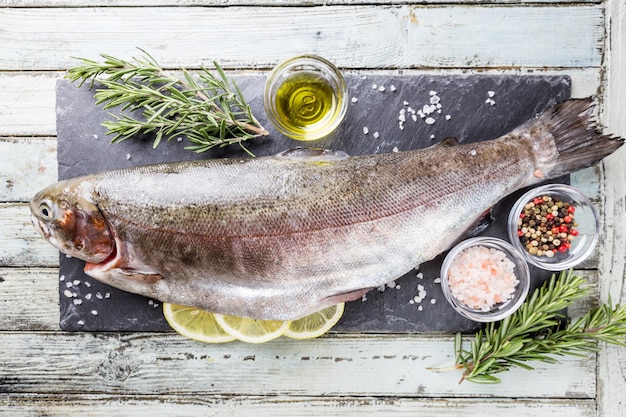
(264, 226)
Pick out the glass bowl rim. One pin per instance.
(576, 196)
(505, 309)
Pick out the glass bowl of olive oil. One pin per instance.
(305, 97)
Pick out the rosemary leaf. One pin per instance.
(210, 112)
(532, 333)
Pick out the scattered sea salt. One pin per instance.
(354, 99)
(473, 152)
(437, 280)
(76, 282)
(94, 312)
(99, 295)
(88, 296)
(420, 308)
(491, 93)
(179, 139)
(392, 88)
(77, 301)
(376, 135)
(107, 295)
(128, 156)
(87, 284)
(433, 301)
(420, 275)
(429, 121)
(374, 86)
(62, 278)
(68, 284)
(67, 293)
(81, 322)
(381, 88)
(405, 103)
(365, 130)
(448, 117)
(395, 149)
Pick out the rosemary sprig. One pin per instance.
(532, 333)
(210, 111)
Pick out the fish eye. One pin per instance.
(45, 210)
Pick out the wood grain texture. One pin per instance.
(135, 3)
(29, 299)
(228, 406)
(27, 102)
(20, 244)
(45, 372)
(376, 37)
(612, 359)
(361, 365)
(26, 166)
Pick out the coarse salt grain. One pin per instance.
(481, 277)
(376, 135)
(365, 130)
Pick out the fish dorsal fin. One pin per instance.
(313, 154)
(448, 142)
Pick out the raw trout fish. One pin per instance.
(284, 236)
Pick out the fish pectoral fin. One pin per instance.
(147, 277)
(482, 223)
(448, 142)
(346, 296)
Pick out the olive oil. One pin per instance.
(305, 97)
(306, 103)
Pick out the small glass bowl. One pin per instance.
(305, 97)
(585, 218)
(500, 310)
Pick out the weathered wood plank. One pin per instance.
(190, 406)
(351, 36)
(20, 244)
(30, 300)
(612, 360)
(375, 365)
(26, 166)
(27, 102)
(179, 3)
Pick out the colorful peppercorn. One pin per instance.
(546, 226)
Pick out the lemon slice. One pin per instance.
(251, 330)
(195, 324)
(316, 324)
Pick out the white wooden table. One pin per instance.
(44, 371)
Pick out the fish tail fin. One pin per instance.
(578, 140)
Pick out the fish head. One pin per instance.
(66, 216)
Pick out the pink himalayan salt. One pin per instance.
(481, 277)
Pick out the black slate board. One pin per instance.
(472, 108)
